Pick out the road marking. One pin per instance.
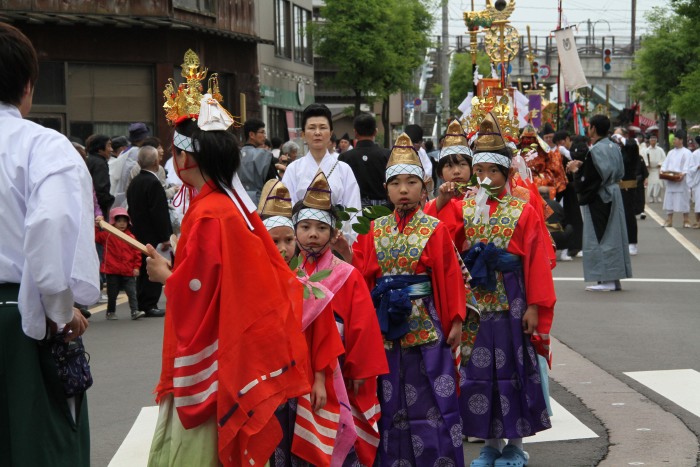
(121, 298)
(640, 279)
(679, 386)
(565, 426)
(134, 450)
(687, 244)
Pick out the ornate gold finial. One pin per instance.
(500, 106)
(275, 200)
(184, 100)
(502, 15)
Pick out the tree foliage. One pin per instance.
(462, 77)
(374, 44)
(666, 57)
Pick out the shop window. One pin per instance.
(302, 42)
(283, 29)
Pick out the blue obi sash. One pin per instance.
(483, 260)
(392, 299)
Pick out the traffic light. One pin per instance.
(535, 68)
(607, 60)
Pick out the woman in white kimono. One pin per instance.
(317, 126)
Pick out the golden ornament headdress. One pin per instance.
(489, 141)
(404, 159)
(185, 102)
(317, 201)
(490, 136)
(275, 200)
(275, 205)
(500, 106)
(318, 194)
(455, 141)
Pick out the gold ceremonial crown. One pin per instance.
(318, 194)
(490, 135)
(275, 200)
(455, 135)
(499, 106)
(184, 103)
(403, 152)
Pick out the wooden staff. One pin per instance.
(132, 242)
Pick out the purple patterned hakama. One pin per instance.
(420, 424)
(501, 388)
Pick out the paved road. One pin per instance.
(616, 408)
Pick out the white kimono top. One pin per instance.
(344, 188)
(48, 231)
(677, 160)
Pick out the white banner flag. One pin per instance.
(570, 63)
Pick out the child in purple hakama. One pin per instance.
(502, 395)
(409, 261)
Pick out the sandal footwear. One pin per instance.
(696, 225)
(512, 456)
(686, 225)
(486, 458)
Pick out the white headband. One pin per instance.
(404, 169)
(313, 214)
(278, 221)
(491, 158)
(183, 142)
(459, 149)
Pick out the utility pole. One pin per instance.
(634, 24)
(445, 64)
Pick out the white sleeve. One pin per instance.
(351, 199)
(289, 180)
(59, 245)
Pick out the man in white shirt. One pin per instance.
(47, 262)
(653, 157)
(677, 195)
(694, 180)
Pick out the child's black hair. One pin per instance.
(216, 153)
(452, 159)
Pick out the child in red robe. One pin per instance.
(231, 355)
(409, 262)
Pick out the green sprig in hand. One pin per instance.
(363, 218)
(308, 281)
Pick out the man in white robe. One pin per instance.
(47, 262)
(677, 196)
(694, 181)
(653, 156)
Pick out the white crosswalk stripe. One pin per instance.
(134, 450)
(679, 386)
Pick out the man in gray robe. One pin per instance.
(606, 257)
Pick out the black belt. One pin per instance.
(8, 294)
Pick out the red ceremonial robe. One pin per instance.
(365, 358)
(314, 432)
(528, 243)
(228, 351)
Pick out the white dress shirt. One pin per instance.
(344, 188)
(48, 233)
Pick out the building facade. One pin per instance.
(104, 63)
(286, 65)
